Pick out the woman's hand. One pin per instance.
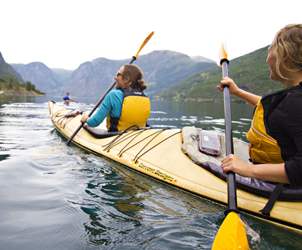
(84, 117)
(236, 165)
(226, 81)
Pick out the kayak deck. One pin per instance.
(157, 153)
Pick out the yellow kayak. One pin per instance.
(159, 153)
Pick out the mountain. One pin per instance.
(61, 75)
(92, 78)
(12, 84)
(165, 69)
(201, 59)
(249, 71)
(7, 70)
(162, 70)
(40, 75)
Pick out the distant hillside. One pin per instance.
(12, 84)
(162, 69)
(249, 71)
(201, 59)
(165, 69)
(92, 78)
(61, 75)
(7, 70)
(39, 74)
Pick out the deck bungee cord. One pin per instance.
(134, 134)
(127, 147)
(119, 138)
(136, 158)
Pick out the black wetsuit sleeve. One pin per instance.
(293, 168)
(293, 123)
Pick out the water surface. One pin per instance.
(57, 197)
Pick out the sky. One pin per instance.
(66, 33)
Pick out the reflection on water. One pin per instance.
(3, 156)
(112, 206)
(59, 197)
(206, 115)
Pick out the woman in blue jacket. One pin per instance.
(125, 106)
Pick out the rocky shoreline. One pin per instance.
(16, 93)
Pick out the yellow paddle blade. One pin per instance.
(231, 234)
(144, 43)
(223, 54)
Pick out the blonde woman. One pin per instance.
(275, 135)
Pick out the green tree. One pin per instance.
(10, 85)
(28, 86)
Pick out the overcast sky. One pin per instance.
(66, 33)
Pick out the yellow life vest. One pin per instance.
(136, 110)
(263, 148)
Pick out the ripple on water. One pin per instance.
(59, 197)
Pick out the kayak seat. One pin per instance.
(190, 146)
(99, 133)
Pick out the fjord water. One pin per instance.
(57, 197)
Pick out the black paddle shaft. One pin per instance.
(95, 107)
(232, 198)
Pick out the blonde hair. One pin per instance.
(287, 46)
(134, 74)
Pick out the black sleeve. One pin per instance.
(293, 166)
(294, 171)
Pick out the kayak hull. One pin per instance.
(157, 153)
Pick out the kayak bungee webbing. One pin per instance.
(134, 134)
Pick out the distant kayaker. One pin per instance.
(126, 105)
(275, 135)
(67, 99)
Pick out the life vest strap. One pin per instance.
(272, 199)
